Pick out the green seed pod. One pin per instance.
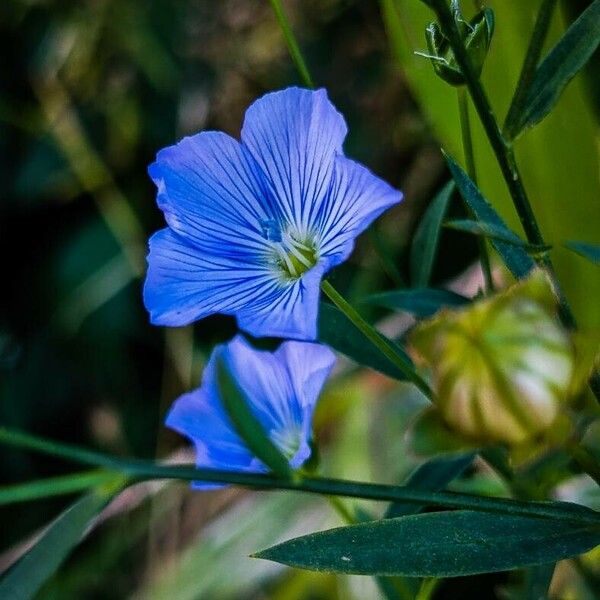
(501, 367)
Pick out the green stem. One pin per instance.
(532, 58)
(140, 470)
(292, 44)
(53, 486)
(385, 346)
(585, 460)
(467, 141)
(503, 150)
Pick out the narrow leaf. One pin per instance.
(515, 258)
(562, 63)
(440, 544)
(433, 475)
(425, 241)
(27, 576)
(422, 302)
(493, 232)
(589, 251)
(337, 331)
(537, 581)
(246, 423)
(53, 486)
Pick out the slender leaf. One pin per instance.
(537, 581)
(433, 475)
(425, 241)
(515, 258)
(247, 424)
(589, 251)
(562, 63)
(27, 576)
(53, 486)
(494, 232)
(422, 302)
(440, 544)
(337, 331)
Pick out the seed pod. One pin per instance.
(501, 367)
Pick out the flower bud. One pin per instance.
(502, 366)
(477, 37)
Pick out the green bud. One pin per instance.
(501, 367)
(477, 37)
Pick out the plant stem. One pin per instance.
(385, 346)
(585, 460)
(140, 470)
(292, 44)
(503, 150)
(532, 58)
(467, 141)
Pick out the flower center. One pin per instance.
(288, 441)
(294, 255)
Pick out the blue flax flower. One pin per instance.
(254, 225)
(281, 389)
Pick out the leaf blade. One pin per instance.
(422, 302)
(26, 577)
(586, 250)
(440, 544)
(562, 63)
(337, 331)
(425, 241)
(516, 259)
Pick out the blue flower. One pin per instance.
(254, 225)
(281, 389)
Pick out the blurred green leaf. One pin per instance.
(515, 258)
(246, 423)
(429, 436)
(537, 581)
(441, 544)
(27, 576)
(53, 486)
(589, 251)
(425, 241)
(493, 232)
(433, 475)
(420, 302)
(563, 62)
(337, 331)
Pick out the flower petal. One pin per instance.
(294, 135)
(184, 284)
(289, 312)
(211, 192)
(355, 199)
(281, 389)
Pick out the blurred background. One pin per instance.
(90, 90)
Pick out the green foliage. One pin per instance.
(515, 258)
(447, 544)
(337, 331)
(426, 238)
(563, 62)
(420, 302)
(24, 579)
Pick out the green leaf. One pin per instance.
(425, 241)
(246, 424)
(422, 302)
(440, 544)
(515, 258)
(561, 64)
(27, 576)
(537, 581)
(589, 251)
(53, 486)
(493, 232)
(337, 331)
(433, 475)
